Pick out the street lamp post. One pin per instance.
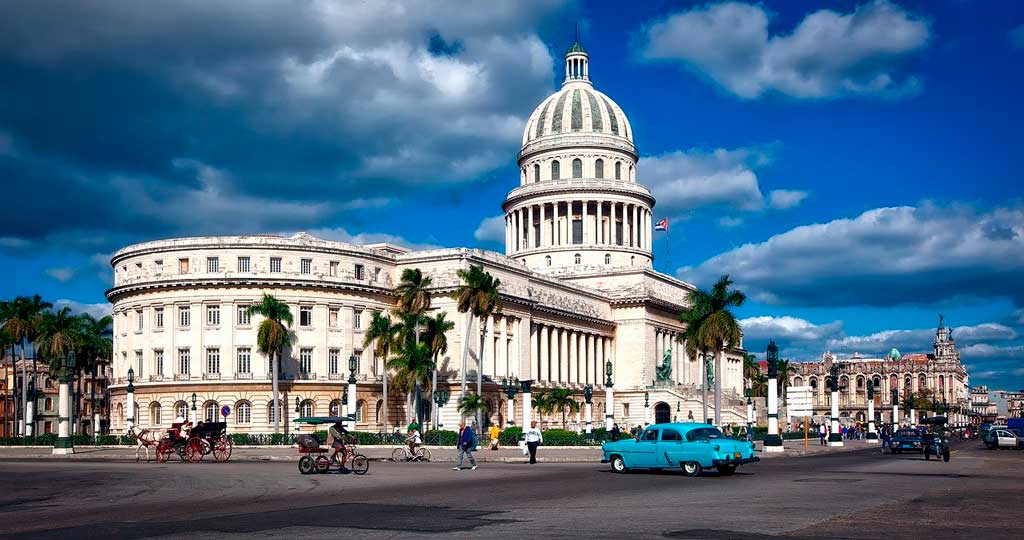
(130, 400)
(895, 409)
(835, 437)
(750, 409)
(511, 388)
(193, 417)
(30, 407)
(354, 403)
(609, 397)
(64, 444)
(647, 408)
(872, 436)
(588, 398)
(913, 410)
(527, 403)
(772, 441)
(440, 398)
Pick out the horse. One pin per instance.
(145, 440)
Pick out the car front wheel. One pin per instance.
(692, 468)
(618, 465)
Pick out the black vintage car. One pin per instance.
(907, 440)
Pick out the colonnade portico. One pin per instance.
(568, 357)
(550, 224)
(502, 352)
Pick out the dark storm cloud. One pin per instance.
(123, 119)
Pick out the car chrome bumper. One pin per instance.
(734, 461)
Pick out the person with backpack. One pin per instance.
(467, 443)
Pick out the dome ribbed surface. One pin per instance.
(577, 108)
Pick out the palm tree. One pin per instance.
(478, 298)
(60, 335)
(412, 367)
(785, 368)
(271, 338)
(759, 386)
(382, 335)
(436, 336)
(719, 327)
(97, 348)
(561, 400)
(693, 318)
(472, 404)
(412, 292)
(22, 318)
(542, 402)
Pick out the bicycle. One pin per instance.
(356, 463)
(404, 454)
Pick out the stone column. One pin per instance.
(565, 373)
(488, 354)
(542, 371)
(501, 359)
(534, 356)
(543, 225)
(574, 359)
(583, 213)
(835, 438)
(530, 238)
(600, 223)
(773, 443)
(872, 436)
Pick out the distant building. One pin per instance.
(1014, 404)
(45, 398)
(983, 409)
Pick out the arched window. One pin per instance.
(306, 408)
(334, 409)
(860, 382)
(243, 412)
(555, 170)
(379, 413)
(618, 170)
(844, 382)
(607, 258)
(120, 413)
(632, 174)
(272, 411)
(210, 411)
(894, 382)
(908, 381)
(577, 258)
(877, 382)
(798, 381)
(536, 172)
(922, 382)
(154, 414)
(523, 179)
(180, 411)
(577, 168)
(48, 404)
(814, 385)
(599, 168)
(547, 260)
(632, 260)
(361, 411)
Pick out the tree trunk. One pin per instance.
(465, 356)
(718, 386)
(34, 414)
(275, 358)
(704, 385)
(434, 410)
(92, 402)
(480, 379)
(384, 377)
(24, 393)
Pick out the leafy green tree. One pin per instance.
(719, 327)
(382, 335)
(412, 364)
(272, 337)
(693, 318)
(472, 404)
(561, 400)
(96, 342)
(412, 292)
(436, 336)
(785, 369)
(477, 296)
(22, 317)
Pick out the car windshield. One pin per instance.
(908, 433)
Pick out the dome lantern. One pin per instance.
(577, 63)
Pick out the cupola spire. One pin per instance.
(577, 62)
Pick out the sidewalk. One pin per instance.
(548, 454)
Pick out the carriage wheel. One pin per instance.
(399, 454)
(193, 450)
(322, 463)
(163, 451)
(222, 448)
(423, 454)
(306, 465)
(359, 464)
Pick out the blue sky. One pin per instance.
(853, 165)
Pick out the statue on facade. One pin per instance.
(709, 368)
(664, 371)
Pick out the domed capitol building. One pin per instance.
(577, 285)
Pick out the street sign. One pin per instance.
(225, 411)
(799, 401)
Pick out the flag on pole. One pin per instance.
(661, 225)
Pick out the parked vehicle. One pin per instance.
(935, 441)
(907, 440)
(690, 446)
(1005, 438)
(316, 458)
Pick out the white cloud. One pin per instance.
(62, 274)
(885, 256)
(1017, 37)
(786, 327)
(13, 242)
(729, 221)
(363, 238)
(686, 180)
(984, 350)
(97, 310)
(491, 229)
(827, 55)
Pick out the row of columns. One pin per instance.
(567, 356)
(885, 389)
(550, 224)
(577, 68)
(502, 350)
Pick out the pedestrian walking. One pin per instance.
(822, 434)
(615, 432)
(494, 433)
(467, 443)
(886, 438)
(533, 438)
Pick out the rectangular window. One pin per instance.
(305, 316)
(158, 361)
(306, 360)
(212, 264)
(376, 274)
(243, 264)
(306, 266)
(138, 320)
(359, 360)
(357, 319)
(360, 272)
(158, 317)
(213, 315)
(577, 231)
(332, 361)
(244, 360)
(334, 268)
(182, 266)
(138, 364)
(184, 361)
(332, 317)
(275, 264)
(184, 316)
(159, 264)
(213, 360)
(244, 318)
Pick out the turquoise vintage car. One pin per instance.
(691, 446)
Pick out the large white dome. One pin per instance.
(577, 108)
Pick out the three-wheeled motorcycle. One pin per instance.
(935, 441)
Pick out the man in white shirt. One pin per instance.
(533, 438)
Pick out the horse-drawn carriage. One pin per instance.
(192, 443)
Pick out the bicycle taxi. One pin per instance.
(317, 457)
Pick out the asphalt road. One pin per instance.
(860, 494)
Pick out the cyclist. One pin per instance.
(413, 440)
(337, 433)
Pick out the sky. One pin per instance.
(852, 165)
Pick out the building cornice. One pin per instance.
(578, 188)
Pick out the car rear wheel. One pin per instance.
(692, 468)
(726, 470)
(618, 465)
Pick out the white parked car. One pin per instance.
(1006, 438)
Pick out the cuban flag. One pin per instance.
(661, 225)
